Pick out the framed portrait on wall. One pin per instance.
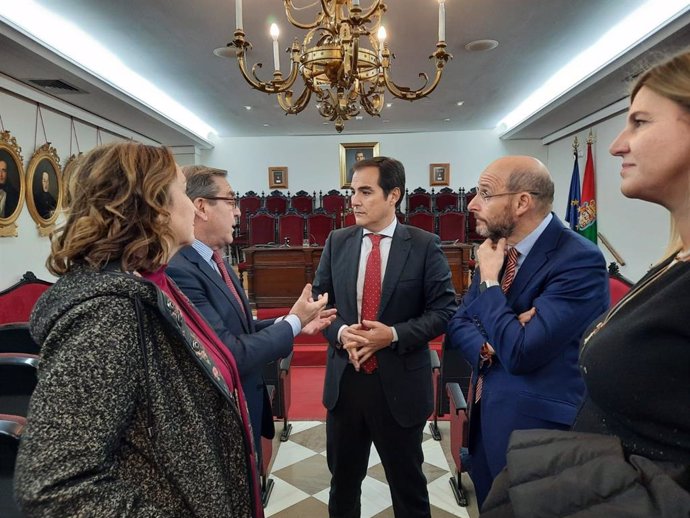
(67, 172)
(278, 177)
(44, 188)
(11, 184)
(354, 152)
(439, 174)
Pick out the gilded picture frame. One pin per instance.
(439, 174)
(278, 177)
(12, 184)
(44, 188)
(352, 152)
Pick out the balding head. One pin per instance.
(524, 173)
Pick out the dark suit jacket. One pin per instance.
(534, 377)
(252, 343)
(417, 297)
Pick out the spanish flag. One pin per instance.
(587, 224)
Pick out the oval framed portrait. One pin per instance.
(44, 186)
(12, 185)
(67, 171)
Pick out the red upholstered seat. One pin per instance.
(619, 286)
(319, 226)
(419, 198)
(262, 228)
(302, 202)
(276, 202)
(422, 218)
(451, 225)
(334, 202)
(445, 199)
(291, 228)
(17, 301)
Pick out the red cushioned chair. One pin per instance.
(452, 225)
(276, 202)
(349, 218)
(619, 286)
(291, 228)
(319, 225)
(302, 202)
(262, 228)
(334, 202)
(419, 198)
(17, 301)
(422, 218)
(445, 199)
(277, 373)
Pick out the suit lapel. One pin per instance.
(537, 257)
(214, 277)
(353, 248)
(397, 257)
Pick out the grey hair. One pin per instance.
(537, 183)
(200, 182)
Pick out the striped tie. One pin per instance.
(508, 278)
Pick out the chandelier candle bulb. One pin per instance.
(276, 53)
(238, 13)
(441, 20)
(381, 35)
(355, 3)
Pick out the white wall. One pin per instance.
(29, 251)
(313, 162)
(637, 230)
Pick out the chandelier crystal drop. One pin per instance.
(343, 60)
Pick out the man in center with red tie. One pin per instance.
(392, 287)
(537, 288)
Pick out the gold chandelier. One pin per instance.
(344, 75)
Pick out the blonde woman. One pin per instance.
(629, 452)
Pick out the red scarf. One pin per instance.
(224, 361)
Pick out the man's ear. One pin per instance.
(525, 202)
(200, 206)
(395, 194)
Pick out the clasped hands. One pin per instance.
(361, 341)
(311, 313)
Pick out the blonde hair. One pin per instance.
(119, 194)
(671, 79)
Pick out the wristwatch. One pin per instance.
(485, 285)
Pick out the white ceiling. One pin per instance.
(171, 42)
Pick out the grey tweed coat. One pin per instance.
(117, 428)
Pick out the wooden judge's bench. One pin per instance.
(277, 275)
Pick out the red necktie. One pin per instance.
(506, 281)
(371, 293)
(228, 281)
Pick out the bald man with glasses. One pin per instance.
(538, 286)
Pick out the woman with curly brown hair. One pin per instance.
(138, 409)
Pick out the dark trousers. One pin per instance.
(361, 417)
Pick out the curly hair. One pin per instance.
(118, 211)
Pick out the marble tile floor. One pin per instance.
(301, 477)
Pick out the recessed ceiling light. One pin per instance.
(481, 45)
(266, 125)
(460, 103)
(388, 105)
(359, 117)
(325, 123)
(446, 120)
(385, 121)
(247, 108)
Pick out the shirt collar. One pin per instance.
(203, 250)
(530, 239)
(388, 231)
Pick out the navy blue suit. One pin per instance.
(252, 343)
(534, 380)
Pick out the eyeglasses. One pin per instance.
(232, 201)
(485, 196)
